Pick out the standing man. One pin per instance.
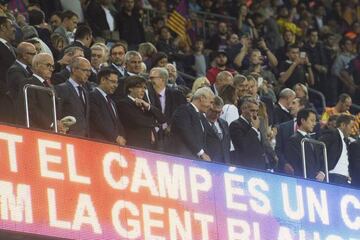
(223, 78)
(7, 58)
(40, 103)
(217, 133)
(337, 142)
(74, 98)
(306, 121)
(165, 98)
(246, 136)
(69, 21)
(354, 163)
(281, 108)
(187, 129)
(104, 117)
(117, 59)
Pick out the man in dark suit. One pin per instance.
(83, 39)
(337, 141)
(40, 103)
(104, 117)
(217, 133)
(138, 116)
(117, 62)
(17, 73)
(354, 163)
(7, 58)
(306, 121)
(246, 136)
(187, 129)
(73, 97)
(166, 99)
(281, 109)
(284, 132)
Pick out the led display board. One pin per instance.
(65, 187)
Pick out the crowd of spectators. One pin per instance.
(244, 95)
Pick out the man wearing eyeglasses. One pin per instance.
(74, 98)
(39, 102)
(7, 58)
(217, 133)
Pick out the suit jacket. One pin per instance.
(40, 106)
(248, 148)
(280, 115)
(218, 149)
(173, 99)
(7, 58)
(15, 75)
(70, 105)
(104, 124)
(354, 163)
(139, 125)
(120, 90)
(312, 156)
(333, 143)
(64, 74)
(187, 132)
(285, 131)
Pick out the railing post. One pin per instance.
(322, 144)
(44, 89)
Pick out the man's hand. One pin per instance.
(205, 157)
(320, 176)
(120, 140)
(142, 104)
(288, 169)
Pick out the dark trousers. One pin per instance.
(338, 179)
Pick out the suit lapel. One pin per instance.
(77, 98)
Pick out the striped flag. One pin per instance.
(178, 21)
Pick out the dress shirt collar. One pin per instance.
(283, 108)
(303, 132)
(4, 41)
(132, 74)
(132, 99)
(102, 92)
(38, 77)
(241, 116)
(75, 84)
(21, 64)
(341, 134)
(196, 109)
(162, 93)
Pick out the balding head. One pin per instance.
(26, 52)
(80, 70)
(43, 65)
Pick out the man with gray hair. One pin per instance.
(165, 98)
(217, 133)
(187, 129)
(246, 136)
(40, 103)
(222, 78)
(282, 107)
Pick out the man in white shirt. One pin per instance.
(337, 141)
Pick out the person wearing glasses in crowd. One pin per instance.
(18, 72)
(73, 98)
(40, 102)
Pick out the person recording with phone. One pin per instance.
(296, 69)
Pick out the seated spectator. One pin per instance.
(200, 60)
(117, 59)
(220, 65)
(159, 59)
(138, 116)
(147, 51)
(174, 78)
(98, 55)
(217, 133)
(302, 91)
(241, 84)
(83, 39)
(281, 109)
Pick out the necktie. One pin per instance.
(46, 84)
(81, 95)
(28, 69)
(218, 133)
(347, 142)
(112, 110)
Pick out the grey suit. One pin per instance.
(69, 104)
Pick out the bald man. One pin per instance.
(40, 103)
(74, 98)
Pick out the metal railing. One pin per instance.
(315, 142)
(319, 97)
(43, 89)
